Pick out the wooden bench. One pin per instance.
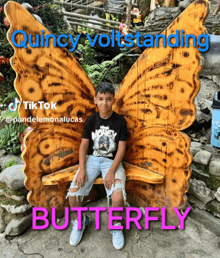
(140, 174)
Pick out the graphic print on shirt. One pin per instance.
(104, 142)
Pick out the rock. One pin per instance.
(199, 190)
(195, 147)
(214, 167)
(17, 227)
(159, 12)
(216, 79)
(38, 18)
(208, 134)
(214, 208)
(194, 150)
(214, 182)
(217, 194)
(212, 61)
(210, 148)
(175, 10)
(151, 16)
(210, 222)
(2, 224)
(207, 76)
(2, 176)
(13, 177)
(197, 203)
(196, 144)
(184, 4)
(202, 118)
(16, 209)
(6, 157)
(199, 172)
(204, 105)
(202, 157)
(28, 7)
(14, 197)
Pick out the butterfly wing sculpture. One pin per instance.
(156, 98)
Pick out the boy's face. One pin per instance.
(104, 102)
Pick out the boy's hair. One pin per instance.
(105, 87)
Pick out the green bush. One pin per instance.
(88, 54)
(7, 113)
(103, 72)
(9, 137)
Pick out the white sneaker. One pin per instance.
(117, 237)
(76, 234)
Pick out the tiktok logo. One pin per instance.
(14, 105)
(31, 105)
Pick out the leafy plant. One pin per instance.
(10, 163)
(85, 30)
(9, 137)
(10, 96)
(7, 113)
(88, 54)
(105, 71)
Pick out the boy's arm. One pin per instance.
(110, 177)
(82, 162)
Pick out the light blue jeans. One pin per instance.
(94, 167)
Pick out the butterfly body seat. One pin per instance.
(156, 98)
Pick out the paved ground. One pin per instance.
(193, 242)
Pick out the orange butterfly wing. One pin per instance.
(157, 99)
(48, 75)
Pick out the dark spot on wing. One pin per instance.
(167, 72)
(60, 102)
(55, 83)
(176, 66)
(179, 151)
(120, 102)
(186, 112)
(79, 113)
(146, 111)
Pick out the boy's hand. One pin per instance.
(80, 178)
(109, 180)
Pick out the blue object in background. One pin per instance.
(215, 138)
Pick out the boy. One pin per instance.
(104, 138)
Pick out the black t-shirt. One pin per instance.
(104, 134)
